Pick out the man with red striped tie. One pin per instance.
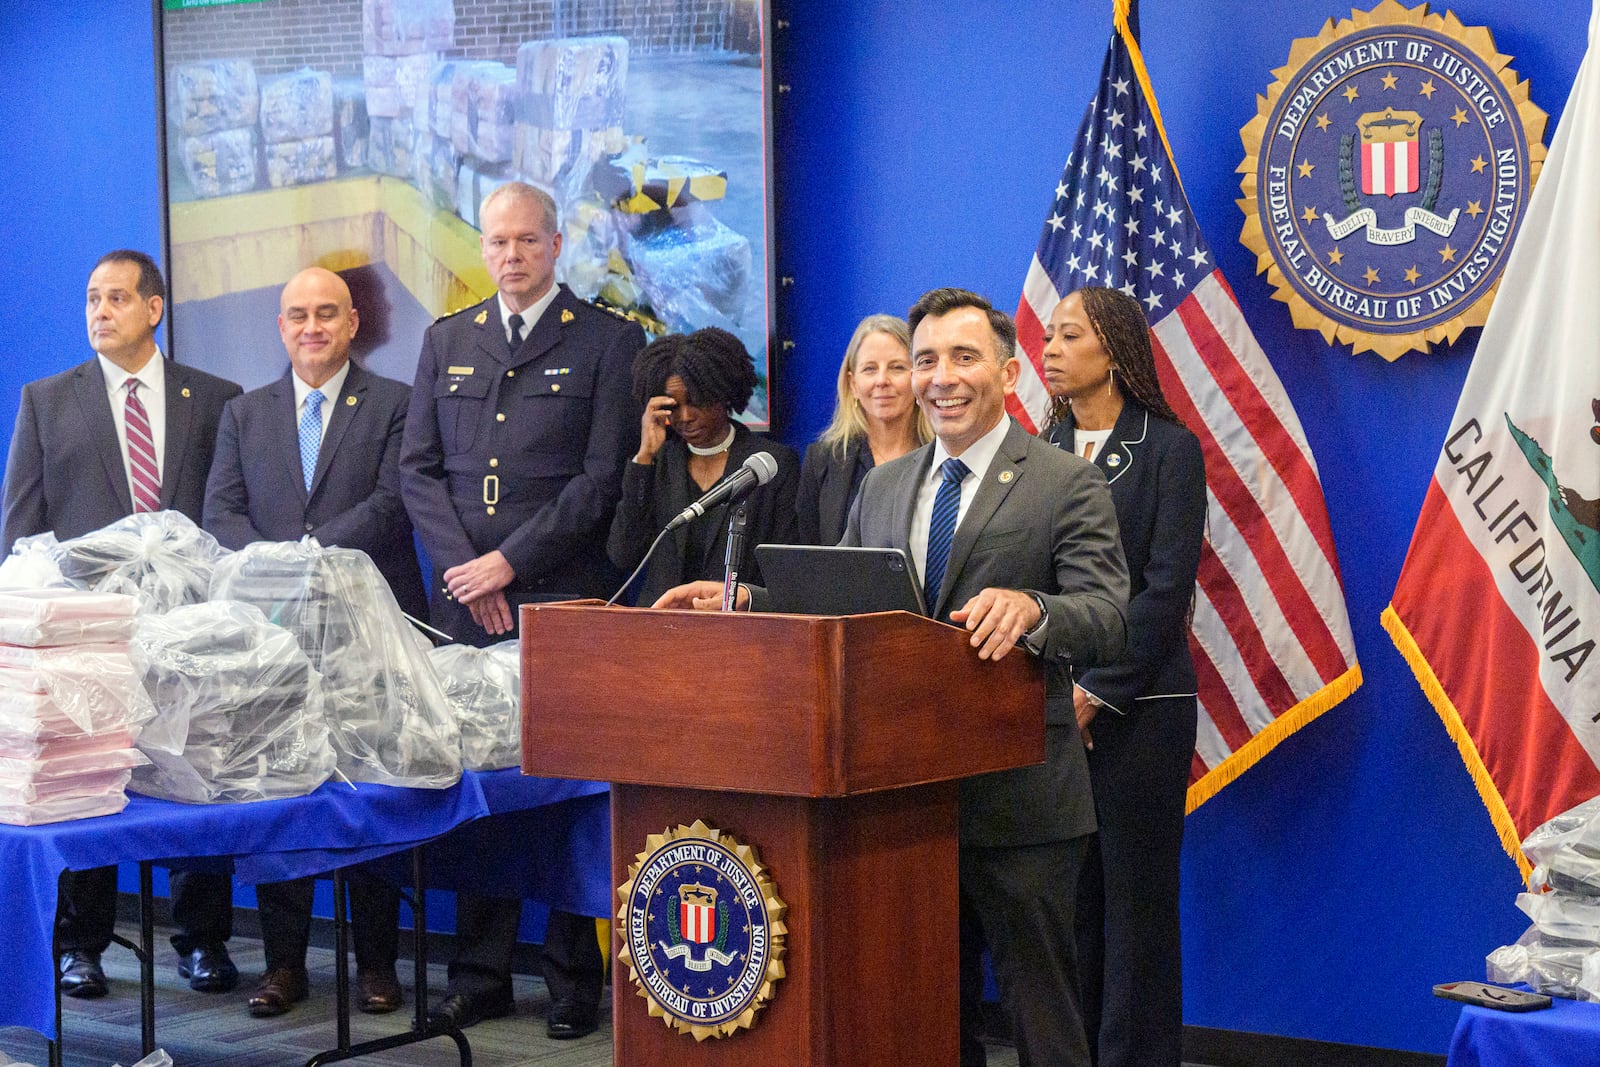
(124, 432)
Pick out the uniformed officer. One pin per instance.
(521, 421)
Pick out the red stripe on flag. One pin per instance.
(1294, 601)
(1229, 602)
(1216, 700)
(1197, 769)
(1030, 340)
(1275, 442)
(1489, 665)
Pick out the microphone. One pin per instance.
(757, 470)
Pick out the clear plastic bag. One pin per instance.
(160, 558)
(34, 617)
(1563, 915)
(484, 687)
(239, 708)
(61, 809)
(389, 719)
(1547, 965)
(96, 686)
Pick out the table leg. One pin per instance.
(341, 964)
(147, 960)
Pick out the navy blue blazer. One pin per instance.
(1158, 486)
(824, 498)
(653, 495)
(257, 491)
(66, 473)
(521, 451)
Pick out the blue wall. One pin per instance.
(1328, 889)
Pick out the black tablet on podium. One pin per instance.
(812, 580)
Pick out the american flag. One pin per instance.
(1271, 637)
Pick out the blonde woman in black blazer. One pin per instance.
(1138, 713)
(875, 420)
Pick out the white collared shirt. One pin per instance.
(978, 456)
(329, 389)
(152, 394)
(531, 317)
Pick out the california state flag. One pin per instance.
(1498, 605)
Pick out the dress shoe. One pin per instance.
(209, 969)
(279, 988)
(81, 975)
(461, 1010)
(378, 992)
(569, 1019)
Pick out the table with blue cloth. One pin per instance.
(1564, 1035)
(561, 851)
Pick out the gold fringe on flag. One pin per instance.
(1265, 741)
(1119, 18)
(1510, 840)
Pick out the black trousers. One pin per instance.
(1021, 899)
(1130, 949)
(86, 909)
(285, 912)
(486, 935)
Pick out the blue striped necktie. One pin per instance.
(942, 527)
(310, 435)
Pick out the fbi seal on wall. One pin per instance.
(1386, 174)
(702, 931)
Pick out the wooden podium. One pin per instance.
(829, 745)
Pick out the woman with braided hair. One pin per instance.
(1108, 408)
(691, 386)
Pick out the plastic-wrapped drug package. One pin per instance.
(483, 111)
(160, 558)
(211, 96)
(434, 170)
(691, 267)
(393, 82)
(239, 708)
(222, 163)
(405, 27)
(389, 719)
(391, 146)
(571, 96)
(350, 126)
(301, 162)
(668, 182)
(484, 688)
(1548, 965)
(435, 100)
(297, 106)
(95, 687)
(474, 181)
(34, 617)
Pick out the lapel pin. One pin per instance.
(567, 316)
(1113, 460)
(1006, 476)
(483, 317)
(186, 391)
(349, 401)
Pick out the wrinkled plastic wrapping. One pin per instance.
(301, 162)
(212, 96)
(391, 146)
(393, 82)
(483, 106)
(1565, 850)
(404, 27)
(350, 126)
(387, 713)
(1563, 916)
(434, 170)
(95, 687)
(34, 617)
(60, 809)
(474, 181)
(691, 267)
(222, 163)
(160, 558)
(1548, 966)
(561, 158)
(573, 83)
(484, 688)
(239, 708)
(297, 106)
(434, 103)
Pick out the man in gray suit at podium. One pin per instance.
(1018, 543)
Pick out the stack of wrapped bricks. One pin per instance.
(483, 113)
(1559, 954)
(297, 127)
(571, 94)
(71, 705)
(211, 113)
(400, 43)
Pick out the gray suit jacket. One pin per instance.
(1043, 522)
(66, 473)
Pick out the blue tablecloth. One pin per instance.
(1565, 1035)
(269, 841)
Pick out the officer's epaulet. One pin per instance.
(453, 314)
(603, 306)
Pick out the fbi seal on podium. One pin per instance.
(1386, 174)
(702, 931)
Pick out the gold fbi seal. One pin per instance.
(1386, 174)
(702, 931)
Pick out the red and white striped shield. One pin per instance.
(1389, 155)
(697, 914)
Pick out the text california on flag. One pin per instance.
(1270, 635)
(1497, 609)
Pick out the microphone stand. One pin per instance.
(730, 581)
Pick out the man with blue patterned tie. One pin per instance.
(316, 453)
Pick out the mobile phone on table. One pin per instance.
(1486, 995)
